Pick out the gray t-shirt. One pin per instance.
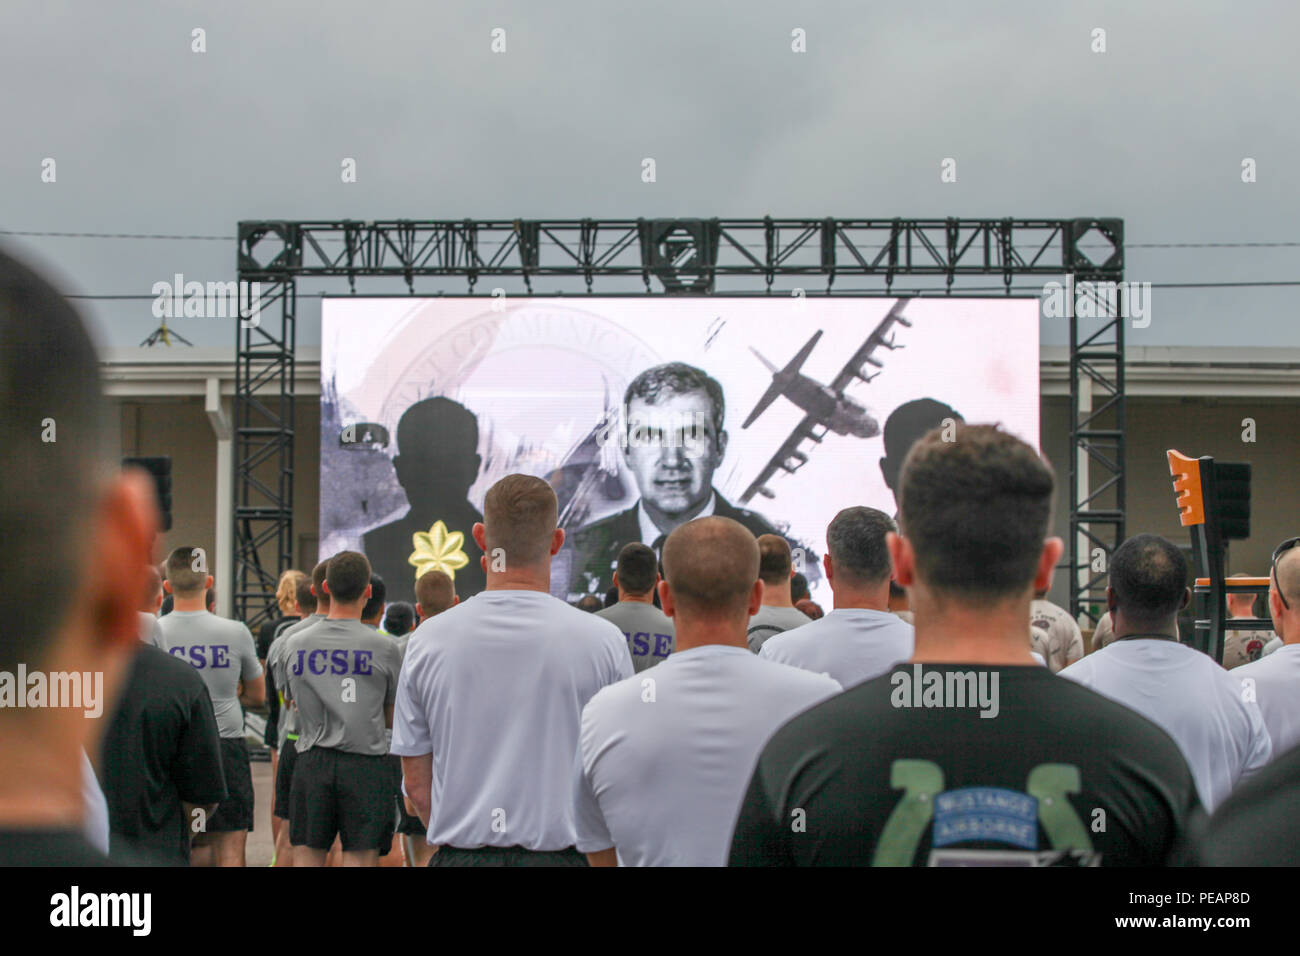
(342, 675)
(649, 631)
(275, 664)
(770, 621)
(223, 653)
(150, 632)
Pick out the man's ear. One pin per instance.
(325, 586)
(1053, 548)
(1275, 608)
(167, 586)
(756, 597)
(557, 541)
(826, 566)
(455, 599)
(208, 583)
(666, 602)
(479, 533)
(722, 445)
(903, 558)
(120, 554)
(616, 579)
(1187, 599)
(1111, 602)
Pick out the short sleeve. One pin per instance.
(589, 820)
(250, 666)
(411, 732)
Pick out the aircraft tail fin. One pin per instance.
(759, 355)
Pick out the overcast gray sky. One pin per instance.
(151, 137)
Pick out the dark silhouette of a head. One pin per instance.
(437, 444)
(904, 427)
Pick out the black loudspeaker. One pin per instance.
(1232, 486)
(160, 469)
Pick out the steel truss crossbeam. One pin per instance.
(684, 256)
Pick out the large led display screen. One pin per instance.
(643, 412)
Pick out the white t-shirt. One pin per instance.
(850, 645)
(1276, 687)
(494, 688)
(1065, 640)
(151, 631)
(666, 756)
(95, 827)
(1192, 698)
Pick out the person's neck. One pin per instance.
(321, 610)
(1288, 629)
(777, 595)
(861, 599)
(951, 632)
(647, 598)
(1167, 629)
(345, 612)
(40, 778)
(701, 633)
(521, 579)
(189, 603)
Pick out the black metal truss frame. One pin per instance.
(684, 256)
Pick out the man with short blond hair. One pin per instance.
(698, 718)
(1241, 646)
(314, 604)
(492, 692)
(225, 656)
(777, 613)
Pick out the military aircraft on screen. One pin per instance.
(828, 408)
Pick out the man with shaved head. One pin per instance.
(699, 718)
(1274, 680)
(491, 694)
(1257, 825)
(1242, 647)
(1200, 705)
(777, 613)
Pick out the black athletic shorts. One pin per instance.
(236, 811)
(506, 856)
(343, 794)
(284, 778)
